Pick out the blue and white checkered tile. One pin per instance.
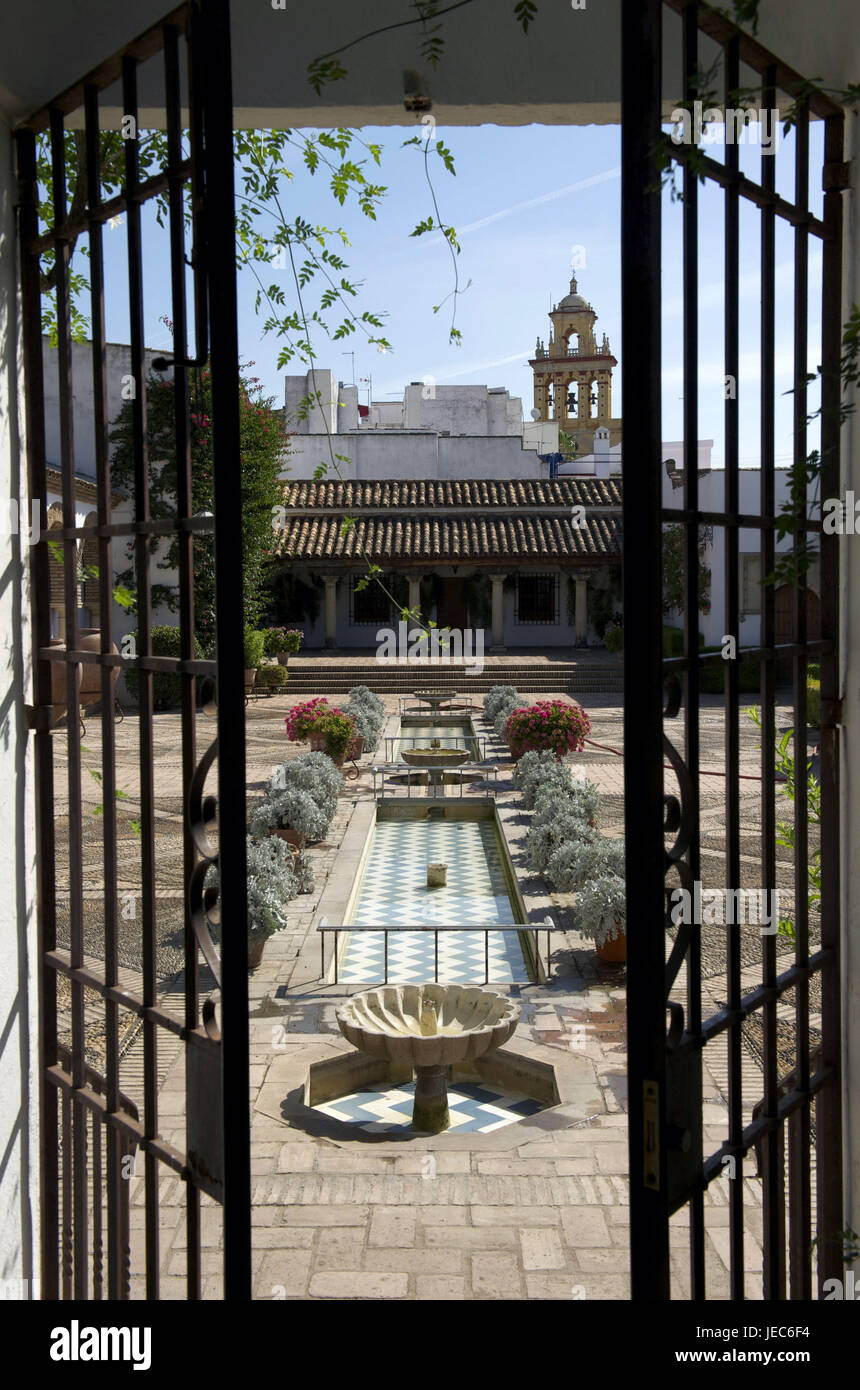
(411, 958)
(394, 893)
(474, 1108)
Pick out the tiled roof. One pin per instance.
(461, 493)
(462, 520)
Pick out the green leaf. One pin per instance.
(525, 11)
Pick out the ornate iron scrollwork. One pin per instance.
(683, 1065)
(202, 814)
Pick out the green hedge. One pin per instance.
(712, 681)
(673, 641)
(166, 689)
(254, 648)
(272, 675)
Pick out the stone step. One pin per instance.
(406, 682)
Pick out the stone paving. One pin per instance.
(450, 1218)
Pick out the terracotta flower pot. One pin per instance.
(256, 947)
(87, 677)
(250, 677)
(292, 837)
(319, 745)
(614, 952)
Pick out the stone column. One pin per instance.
(330, 609)
(581, 612)
(582, 408)
(497, 638)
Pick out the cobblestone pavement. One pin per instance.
(536, 1215)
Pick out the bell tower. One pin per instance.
(573, 374)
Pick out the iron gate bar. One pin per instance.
(752, 192)
(774, 1185)
(786, 1104)
(691, 581)
(108, 208)
(211, 29)
(753, 54)
(75, 1259)
(140, 454)
(34, 407)
(731, 687)
(828, 1115)
(182, 449)
(116, 1201)
(86, 1099)
(799, 1128)
(643, 705)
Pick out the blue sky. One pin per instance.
(524, 201)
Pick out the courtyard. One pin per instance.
(536, 1206)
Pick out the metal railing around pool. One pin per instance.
(455, 703)
(473, 743)
(539, 966)
(476, 775)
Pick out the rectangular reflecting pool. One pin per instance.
(393, 892)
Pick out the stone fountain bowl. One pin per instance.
(387, 1022)
(434, 757)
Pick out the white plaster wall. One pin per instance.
(416, 454)
(19, 1142)
(561, 634)
(118, 365)
(321, 388)
(711, 493)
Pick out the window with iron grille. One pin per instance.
(368, 607)
(536, 600)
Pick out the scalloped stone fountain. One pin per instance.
(432, 1027)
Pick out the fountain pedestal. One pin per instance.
(430, 1026)
(430, 1114)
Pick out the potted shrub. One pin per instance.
(552, 725)
(602, 914)
(368, 713)
(505, 707)
(561, 820)
(335, 733)
(301, 719)
(327, 728)
(592, 866)
(281, 642)
(294, 639)
(272, 882)
(253, 655)
(272, 677)
(314, 773)
(536, 770)
(291, 815)
(496, 697)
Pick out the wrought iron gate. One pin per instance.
(89, 1128)
(669, 1166)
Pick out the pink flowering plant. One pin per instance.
(302, 718)
(549, 725)
(283, 639)
(318, 720)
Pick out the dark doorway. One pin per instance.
(450, 605)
